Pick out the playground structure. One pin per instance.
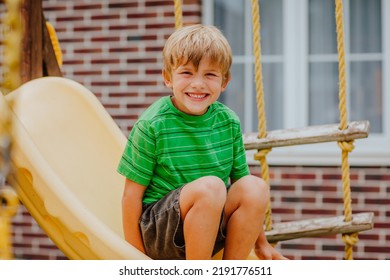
(80, 210)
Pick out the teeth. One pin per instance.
(197, 96)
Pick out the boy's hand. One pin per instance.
(264, 251)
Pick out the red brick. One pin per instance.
(322, 188)
(142, 38)
(136, 106)
(105, 83)
(378, 201)
(105, 17)
(159, 25)
(125, 117)
(21, 245)
(299, 199)
(142, 15)
(57, 8)
(88, 50)
(129, 4)
(38, 235)
(141, 83)
(123, 27)
(158, 3)
(70, 19)
(303, 176)
(319, 212)
(24, 223)
(283, 211)
(88, 73)
(154, 49)
(377, 249)
(333, 200)
(106, 39)
(123, 72)
(334, 247)
(105, 61)
(153, 71)
(141, 60)
(123, 49)
(34, 256)
(71, 40)
(155, 94)
(381, 225)
(281, 187)
(378, 177)
(365, 189)
(87, 28)
(122, 94)
(331, 177)
(87, 7)
(365, 236)
(298, 246)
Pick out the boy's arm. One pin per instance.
(131, 212)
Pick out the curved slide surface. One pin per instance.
(66, 148)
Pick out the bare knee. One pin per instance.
(209, 193)
(211, 189)
(253, 191)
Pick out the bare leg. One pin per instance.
(244, 212)
(201, 205)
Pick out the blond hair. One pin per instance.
(192, 43)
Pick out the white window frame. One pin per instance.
(373, 151)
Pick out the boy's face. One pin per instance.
(194, 90)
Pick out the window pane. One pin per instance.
(273, 97)
(234, 96)
(366, 93)
(322, 26)
(323, 93)
(229, 17)
(365, 26)
(271, 16)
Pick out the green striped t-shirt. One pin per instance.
(167, 148)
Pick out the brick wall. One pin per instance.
(310, 192)
(114, 49)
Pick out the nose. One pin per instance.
(197, 82)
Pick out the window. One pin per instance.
(300, 71)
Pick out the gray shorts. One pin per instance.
(162, 229)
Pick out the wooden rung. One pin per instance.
(320, 226)
(307, 135)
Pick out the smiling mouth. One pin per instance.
(197, 96)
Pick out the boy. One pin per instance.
(180, 156)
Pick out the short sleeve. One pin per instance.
(240, 166)
(138, 160)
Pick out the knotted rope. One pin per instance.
(346, 147)
(261, 155)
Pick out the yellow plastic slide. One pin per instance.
(66, 148)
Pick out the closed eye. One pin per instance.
(213, 75)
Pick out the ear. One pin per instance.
(167, 79)
(225, 83)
